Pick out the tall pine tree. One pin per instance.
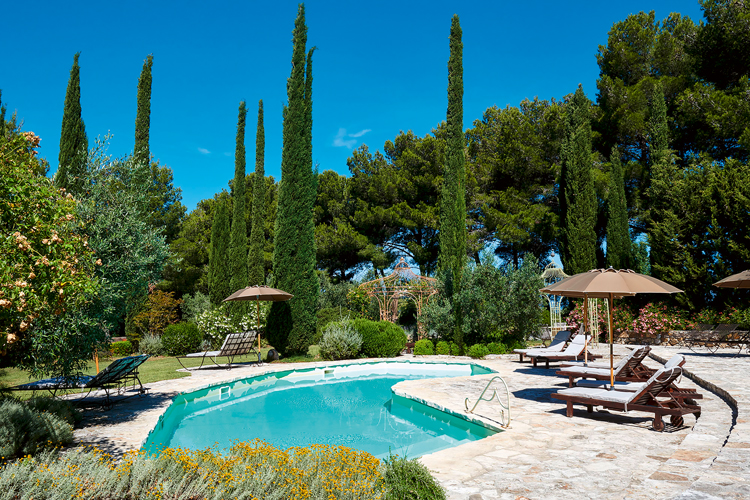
(577, 197)
(291, 325)
(73, 142)
(453, 196)
(2, 117)
(238, 240)
(256, 271)
(141, 152)
(619, 246)
(218, 258)
(662, 222)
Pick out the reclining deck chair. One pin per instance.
(117, 376)
(623, 370)
(651, 398)
(557, 345)
(575, 350)
(236, 344)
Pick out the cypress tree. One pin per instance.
(238, 241)
(218, 259)
(141, 152)
(291, 325)
(453, 196)
(2, 116)
(619, 246)
(256, 271)
(662, 222)
(73, 142)
(577, 197)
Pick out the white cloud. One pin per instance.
(341, 141)
(228, 154)
(204, 151)
(360, 133)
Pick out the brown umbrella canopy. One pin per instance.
(258, 294)
(610, 284)
(739, 280)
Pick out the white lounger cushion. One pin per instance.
(619, 386)
(557, 344)
(600, 394)
(208, 354)
(575, 348)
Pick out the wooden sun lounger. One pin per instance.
(236, 344)
(623, 370)
(575, 350)
(652, 398)
(115, 377)
(557, 345)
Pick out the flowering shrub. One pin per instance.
(216, 324)
(47, 265)
(252, 470)
(650, 322)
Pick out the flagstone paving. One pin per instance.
(543, 454)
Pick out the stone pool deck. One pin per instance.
(543, 454)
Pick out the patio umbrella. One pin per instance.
(609, 284)
(258, 294)
(739, 280)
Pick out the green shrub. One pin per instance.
(59, 407)
(423, 347)
(120, 349)
(330, 314)
(340, 341)
(25, 431)
(455, 349)
(151, 344)
(443, 348)
(380, 339)
(181, 338)
(496, 348)
(194, 305)
(408, 479)
(478, 351)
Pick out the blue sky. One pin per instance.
(380, 67)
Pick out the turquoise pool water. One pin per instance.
(350, 405)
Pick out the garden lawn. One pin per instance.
(153, 370)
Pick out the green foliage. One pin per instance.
(141, 151)
(151, 344)
(194, 305)
(291, 326)
(452, 233)
(424, 347)
(217, 323)
(24, 431)
(333, 294)
(455, 349)
(238, 240)
(219, 281)
(48, 265)
(409, 479)
(329, 314)
(578, 204)
(121, 348)
(64, 410)
(159, 311)
(2, 117)
(380, 339)
(443, 348)
(247, 470)
(619, 245)
(340, 341)
(73, 141)
(255, 261)
(514, 162)
(397, 196)
(165, 210)
(181, 338)
(496, 348)
(478, 351)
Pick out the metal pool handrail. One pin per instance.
(503, 421)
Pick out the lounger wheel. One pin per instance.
(658, 425)
(691, 401)
(676, 420)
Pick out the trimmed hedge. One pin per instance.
(120, 349)
(443, 348)
(181, 338)
(423, 347)
(380, 339)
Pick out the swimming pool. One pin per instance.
(349, 405)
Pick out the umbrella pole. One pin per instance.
(611, 346)
(585, 329)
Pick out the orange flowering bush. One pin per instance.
(47, 266)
